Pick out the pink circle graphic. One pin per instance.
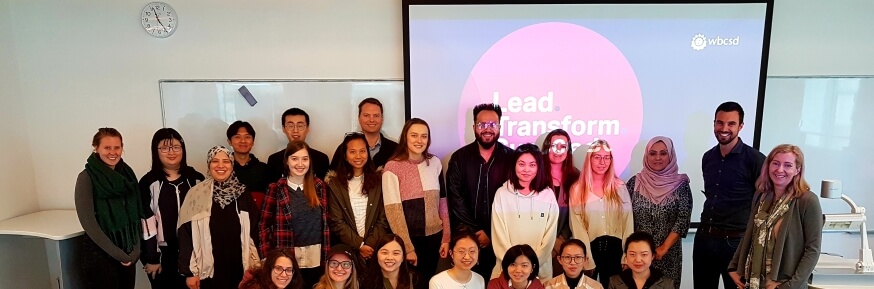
(557, 75)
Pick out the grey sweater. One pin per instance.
(795, 257)
(85, 211)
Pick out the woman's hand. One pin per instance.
(152, 270)
(736, 278)
(771, 284)
(412, 258)
(366, 251)
(193, 282)
(444, 250)
(661, 251)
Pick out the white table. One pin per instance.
(833, 272)
(54, 227)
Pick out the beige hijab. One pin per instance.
(658, 185)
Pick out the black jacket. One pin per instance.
(386, 150)
(255, 175)
(318, 163)
(471, 184)
(156, 191)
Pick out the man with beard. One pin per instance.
(475, 173)
(730, 170)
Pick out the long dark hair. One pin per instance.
(406, 277)
(263, 278)
(569, 173)
(309, 180)
(165, 136)
(539, 183)
(402, 153)
(344, 169)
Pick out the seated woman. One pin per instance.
(215, 227)
(464, 253)
(639, 252)
(572, 256)
(786, 218)
(277, 272)
(341, 272)
(392, 272)
(519, 270)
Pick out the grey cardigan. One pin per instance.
(795, 257)
(84, 196)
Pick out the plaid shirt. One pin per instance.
(275, 227)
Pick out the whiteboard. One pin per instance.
(830, 118)
(202, 110)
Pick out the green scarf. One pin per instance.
(768, 214)
(116, 202)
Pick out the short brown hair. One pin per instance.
(105, 132)
(369, 100)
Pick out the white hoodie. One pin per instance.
(519, 219)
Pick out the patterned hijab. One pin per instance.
(229, 190)
(658, 185)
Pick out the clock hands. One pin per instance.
(159, 19)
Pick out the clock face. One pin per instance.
(159, 19)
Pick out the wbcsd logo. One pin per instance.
(700, 41)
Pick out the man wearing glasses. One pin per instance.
(474, 174)
(370, 120)
(296, 126)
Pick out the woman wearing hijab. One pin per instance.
(216, 227)
(109, 209)
(662, 203)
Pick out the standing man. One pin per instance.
(475, 172)
(730, 170)
(370, 120)
(296, 126)
(252, 172)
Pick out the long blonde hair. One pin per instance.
(583, 186)
(798, 186)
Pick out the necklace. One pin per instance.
(455, 278)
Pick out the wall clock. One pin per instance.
(159, 19)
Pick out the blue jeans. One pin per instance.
(710, 258)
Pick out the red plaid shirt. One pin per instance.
(275, 227)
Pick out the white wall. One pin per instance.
(822, 37)
(16, 173)
(89, 64)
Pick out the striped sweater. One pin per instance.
(415, 199)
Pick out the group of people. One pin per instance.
(381, 214)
